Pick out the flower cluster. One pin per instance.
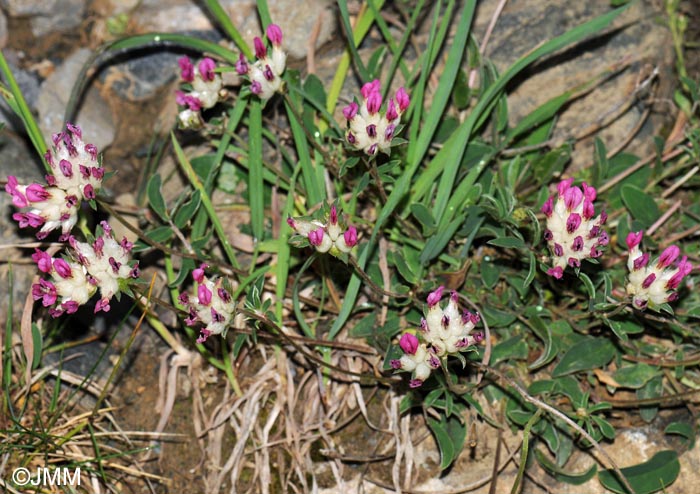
(326, 237)
(654, 284)
(573, 233)
(205, 90)
(77, 176)
(368, 129)
(265, 73)
(104, 265)
(211, 306)
(443, 332)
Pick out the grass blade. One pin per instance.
(256, 193)
(224, 21)
(15, 99)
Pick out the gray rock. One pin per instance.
(29, 85)
(66, 14)
(179, 15)
(94, 115)
(525, 24)
(17, 8)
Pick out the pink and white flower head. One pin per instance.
(210, 305)
(573, 232)
(47, 208)
(653, 284)
(329, 236)
(265, 73)
(206, 85)
(443, 332)
(69, 287)
(417, 359)
(75, 165)
(77, 176)
(103, 265)
(369, 129)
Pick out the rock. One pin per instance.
(47, 15)
(64, 15)
(94, 115)
(152, 15)
(141, 78)
(638, 37)
(3, 30)
(28, 84)
(17, 8)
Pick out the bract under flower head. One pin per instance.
(369, 129)
(653, 284)
(210, 305)
(573, 233)
(443, 332)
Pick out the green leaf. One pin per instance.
(641, 205)
(652, 389)
(508, 242)
(635, 376)
(514, 348)
(155, 196)
(38, 344)
(648, 477)
(683, 429)
(562, 475)
(589, 353)
(449, 434)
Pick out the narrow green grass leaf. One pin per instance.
(224, 21)
(206, 200)
(38, 343)
(345, 22)
(15, 99)
(235, 115)
(364, 22)
(264, 13)
(256, 193)
(118, 47)
(449, 157)
(313, 184)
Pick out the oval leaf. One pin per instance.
(645, 478)
(641, 206)
(589, 353)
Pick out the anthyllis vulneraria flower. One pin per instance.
(573, 233)
(77, 176)
(105, 265)
(443, 332)
(205, 90)
(265, 73)
(368, 129)
(212, 305)
(654, 284)
(326, 237)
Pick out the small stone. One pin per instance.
(94, 115)
(67, 14)
(3, 30)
